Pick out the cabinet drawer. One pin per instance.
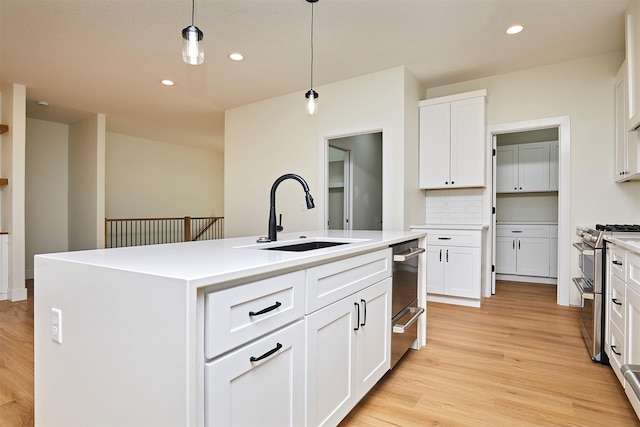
(617, 302)
(616, 351)
(237, 315)
(617, 262)
(331, 282)
(522, 230)
(633, 271)
(471, 238)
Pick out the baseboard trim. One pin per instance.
(528, 279)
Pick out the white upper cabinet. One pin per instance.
(626, 142)
(527, 167)
(632, 38)
(452, 141)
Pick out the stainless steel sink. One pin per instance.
(306, 246)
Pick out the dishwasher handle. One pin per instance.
(406, 256)
(417, 311)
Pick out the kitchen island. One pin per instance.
(217, 332)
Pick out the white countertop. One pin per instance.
(629, 243)
(449, 227)
(527, 223)
(210, 262)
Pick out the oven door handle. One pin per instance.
(408, 255)
(583, 249)
(417, 311)
(585, 295)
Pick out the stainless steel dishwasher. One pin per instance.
(405, 311)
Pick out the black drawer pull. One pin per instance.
(444, 238)
(617, 262)
(265, 310)
(267, 354)
(613, 348)
(615, 301)
(516, 231)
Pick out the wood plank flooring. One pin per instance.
(517, 361)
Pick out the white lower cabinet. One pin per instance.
(261, 384)
(298, 349)
(348, 351)
(523, 250)
(454, 266)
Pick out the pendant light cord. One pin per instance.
(193, 11)
(311, 45)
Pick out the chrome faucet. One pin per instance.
(273, 233)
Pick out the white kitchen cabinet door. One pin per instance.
(331, 370)
(374, 335)
(435, 269)
(241, 391)
(507, 169)
(506, 255)
(452, 142)
(633, 327)
(462, 265)
(467, 143)
(533, 167)
(435, 137)
(533, 256)
(553, 257)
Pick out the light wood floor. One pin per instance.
(517, 361)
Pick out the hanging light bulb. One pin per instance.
(192, 51)
(311, 97)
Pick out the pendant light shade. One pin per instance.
(192, 51)
(311, 97)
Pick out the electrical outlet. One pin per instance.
(56, 325)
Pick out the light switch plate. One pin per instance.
(56, 325)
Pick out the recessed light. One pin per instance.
(167, 82)
(515, 29)
(43, 103)
(236, 57)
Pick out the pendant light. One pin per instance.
(311, 97)
(192, 51)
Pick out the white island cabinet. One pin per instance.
(212, 333)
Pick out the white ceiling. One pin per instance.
(108, 56)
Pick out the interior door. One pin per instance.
(494, 145)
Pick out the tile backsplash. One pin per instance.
(459, 206)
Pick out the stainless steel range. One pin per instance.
(591, 283)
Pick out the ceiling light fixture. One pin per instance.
(167, 82)
(311, 102)
(515, 29)
(236, 57)
(192, 51)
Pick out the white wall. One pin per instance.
(273, 137)
(146, 178)
(46, 204)
(584, 90)
(86, 183)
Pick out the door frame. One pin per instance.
(563, 123)
(347, 185)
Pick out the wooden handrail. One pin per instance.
(145, 231)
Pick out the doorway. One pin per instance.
(563, 125)
(354, 184)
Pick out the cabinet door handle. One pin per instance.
(447, 255)
(513, 244)
(358, 322)
(267, 354)
(265, 310)
(364, 306)
(613, 348)
(615, 301)
(617, 262)
(440, 255)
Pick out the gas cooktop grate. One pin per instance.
(618, 227)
